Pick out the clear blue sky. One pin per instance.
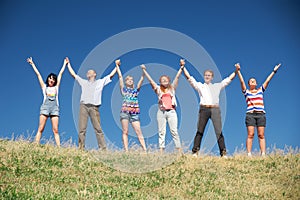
(258, 34)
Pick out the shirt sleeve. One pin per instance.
(79, 79)
(225, 82)
(106, 80)
(194, 83)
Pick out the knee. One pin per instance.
(41, 129)
(199, 133)
(55, 130)
(261, 136)
(250, 136)
(125, 131)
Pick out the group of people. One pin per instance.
(209, 92)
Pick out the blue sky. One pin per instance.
(258, 34)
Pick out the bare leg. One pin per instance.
(42, 123)
(137, 128)
(262, 140)
(54, 120)
(249, 142)
(124, 123)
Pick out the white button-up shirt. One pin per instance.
(91, 91)
(209, 93)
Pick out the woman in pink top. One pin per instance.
(255, 115)
(167, 107)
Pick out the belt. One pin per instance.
(210, 106)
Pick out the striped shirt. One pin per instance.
(255, 100)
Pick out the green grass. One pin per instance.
(29, 171)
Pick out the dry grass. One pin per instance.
(29, 171)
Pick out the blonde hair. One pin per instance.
(209, 70)
(128, 77)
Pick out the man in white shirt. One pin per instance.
(90, 100)
(209, 106)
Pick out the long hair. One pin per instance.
(169, 87)
(53, 76)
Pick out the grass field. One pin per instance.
(31, 171)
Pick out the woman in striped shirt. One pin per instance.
(255, 115)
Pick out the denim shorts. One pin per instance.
(130, 117)
(255, 119)
(49, 108)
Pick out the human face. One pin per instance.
(164, 81)
(91, 75)
(129, 81)
(252, 83)
(51, 81)
(208, 76)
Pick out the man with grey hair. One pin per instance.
(90, 101)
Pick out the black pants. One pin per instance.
(204, 115)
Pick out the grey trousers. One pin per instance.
(92, 111)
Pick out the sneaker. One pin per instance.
(249, 154)
(263, 154)
(195, 155)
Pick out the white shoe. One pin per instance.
(263, 154)
(195, 155)
(225, 157)
(249, 154)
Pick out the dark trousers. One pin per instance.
(204, 115)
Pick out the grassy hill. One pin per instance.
(29, 171)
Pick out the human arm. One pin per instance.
(114, 71)
(185, 71)
(73, 74)
(176, 79)
(30, 61)
(238, 71)
(266, 83)
(118, 63)
(153, 84)
(66, 60)
(139, 85)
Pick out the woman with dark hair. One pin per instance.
(50, 106)
(255, 114)
(167, 107)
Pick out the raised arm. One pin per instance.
(114, 71)
(118, 63)
(41, 81)
(176, 79)
(139, 85)
(66, 60)
(153, 84)
(238, 71)
(71, 69)
(266, 83)
(185, 71)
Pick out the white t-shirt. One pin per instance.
(91, 91)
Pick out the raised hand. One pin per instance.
(118, 62)
(143, 67)
(276, 67)
(237, 66)
(66, 60)
(182, 62)
(29, 60)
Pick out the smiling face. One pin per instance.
(91, 75)
(129, 81)
(51, 81)
(164, 81)
(252, 83)
(208, 76)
